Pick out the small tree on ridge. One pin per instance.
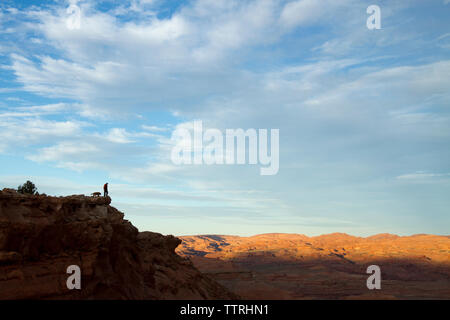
(27, 188)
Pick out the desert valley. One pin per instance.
(333, 266)
(41, 236)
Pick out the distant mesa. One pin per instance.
(383, 236)
(331, 266)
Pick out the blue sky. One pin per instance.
(363, 115)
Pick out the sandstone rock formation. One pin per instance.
(333, 266)
(40, 236)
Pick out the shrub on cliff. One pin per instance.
(27, 188)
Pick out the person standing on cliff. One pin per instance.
(105, 190)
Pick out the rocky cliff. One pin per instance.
(40, 236)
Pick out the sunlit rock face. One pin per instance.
(333, 266)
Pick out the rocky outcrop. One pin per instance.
(40, 236)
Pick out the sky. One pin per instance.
(363, 115)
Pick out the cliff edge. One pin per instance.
(40, 236)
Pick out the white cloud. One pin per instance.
(422, 175)
(302, 11)
(147, 61)
(63, 151)
(28, 131)
(157, 168)
(118, 135)
(154, 128)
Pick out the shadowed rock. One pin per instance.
(40, 236)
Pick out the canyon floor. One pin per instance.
(333, 266)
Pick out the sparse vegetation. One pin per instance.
(27, 188)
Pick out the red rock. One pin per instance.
(333, 266)
(40, 236)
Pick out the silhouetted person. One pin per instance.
(105, 190)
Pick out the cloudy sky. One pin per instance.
(363, 114)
